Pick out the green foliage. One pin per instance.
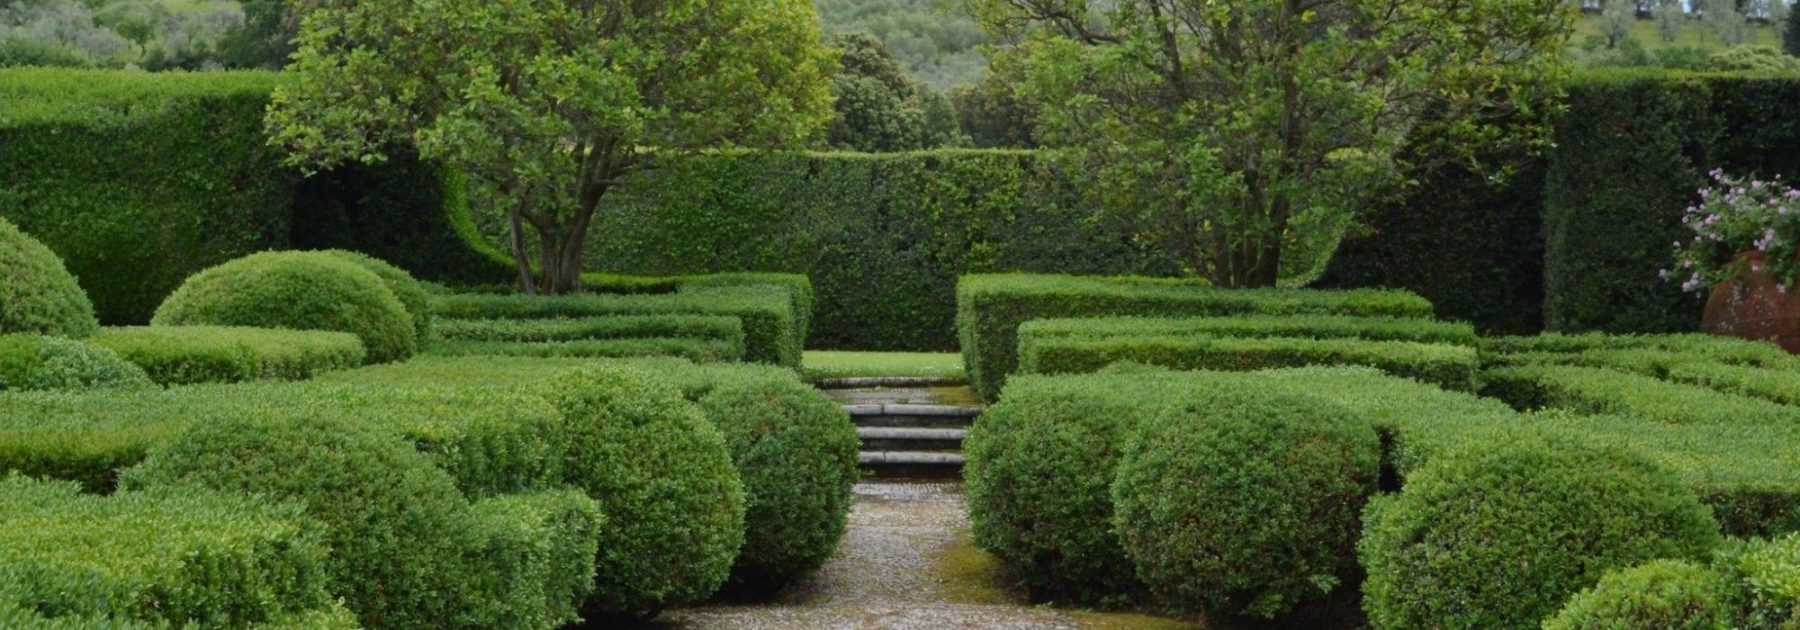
(1604, 391)
(297, 290)
(770, 324)
(1245, 503)
(1774, 385)
(1790, 33)
(30, 362)
(1671, 594)
(796, 452)
(390, 514)
(546, 143)
(407, 289)
(1730, 350)
(939, 45)
(1253, 326)
(148, 34)
(990, 308)
(1753, 58)
(1448, 366)
(699, 350)
(877, 108)
(729, 330)
(1607, 237)
(176, 557)
(38, 295)
(539, 549)
(663, 476)
(1499, 535)
(184, 355)
(1767, 576)
(1232, 165)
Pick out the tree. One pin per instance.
(545, 105)
(876, 104)
(1616, 20)
(1727, 22)
(1222, 125)
(1790, 36)
(1669, 16)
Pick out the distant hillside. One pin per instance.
(1694, 33)
(932, 39)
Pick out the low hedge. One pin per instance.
(300, 291)
(1239, 503)
(771, 329)
(1448, 366)
(31, 362)
(538, 549)
(990, 309)
(1604, 391)
(1499, 535)
(1774, 385)
(724, 328)
(1765, 578)
(702, 350)
(1729, 350)
(177, 558)
(1669, 594)
(1253, 326)
(185, 355)
(37, 294)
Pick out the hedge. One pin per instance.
(771, 328)
(702, 350)
(1774, 385)
(211, 559)
(1254, 326)
(539, 549)
(1451, 367)
(32, 362)
(184, 355)
(724, 328)
(1604, 391)
(1708, 347)
(1669, 594)
(37, 294)
(990, 309)
(1766, 579)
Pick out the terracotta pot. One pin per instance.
(1751, 306)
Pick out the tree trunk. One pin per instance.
(522, 263)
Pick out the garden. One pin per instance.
(714, 314)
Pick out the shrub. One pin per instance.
(664, 479)
(1603, 391)
(702, 350)
(1765, 578)
(611, 327)
(538, 549)
(180, 557)
(1253, 326)
(391, 515)
(185, 355)
(990, 309)
(37, 294)
(29, 362)
(1774, 385)
(1669, 594)
(405, 287)
(796, 451)
(771, 333)
(1245, 503)
(1451, 367)
(1729, 350)
(297, 290)
(1500, 534)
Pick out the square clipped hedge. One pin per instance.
(184, 355)
(990, 309)
(1444, 365)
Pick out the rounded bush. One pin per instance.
(33, 362)
(796, 452)
(662, 475)
(1499, 535)
(1245, 504)
(1665, 594)
(1038, 473)
(393, 518)
(406, 288)
(38, 295)
(295, 290)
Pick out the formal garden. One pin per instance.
(708, 314)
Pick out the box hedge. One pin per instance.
(1254, 326)
(1451, 367)
(185, 355)
(175, 557)
(32, 362)
(1604, 391)
(701, 350)
(725, 328)
(771, 328)
(1670, 594)
(990, 309)
(38, 295)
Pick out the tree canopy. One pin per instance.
(546, 104)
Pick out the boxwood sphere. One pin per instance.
(35, 362)
(38, 295)
(1039, 473)
(673, 502)
(1665, 594)
(296, 290)
(1500, 534)
(1245, 504)
(406, 288)
(796, 452)
(393, 518)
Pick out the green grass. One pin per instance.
(824, 364)
(1694, 34)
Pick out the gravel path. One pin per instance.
(883, 576)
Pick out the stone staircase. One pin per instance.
(909, 427)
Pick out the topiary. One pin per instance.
(664, 480)
(796, 452)
(1038, 473)
(297, 290)
(33, 362)
(1244, 503)
(38, 295)
(1665, 594)
(393, 518)
(406, 288)
(1500, 534)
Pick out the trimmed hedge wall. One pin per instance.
(990, 309)
(184, 355)
(772, 332)
(698, 350)
(1253, 326)
(1447, 366)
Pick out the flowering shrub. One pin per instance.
(1736, 216)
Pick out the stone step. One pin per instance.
(914, 439)
(949, 462)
